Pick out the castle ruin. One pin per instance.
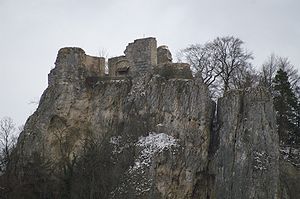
(140, 57)
(143, 56)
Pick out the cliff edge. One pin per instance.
(148, 129)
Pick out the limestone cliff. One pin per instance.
(156, 126)
(246, 162)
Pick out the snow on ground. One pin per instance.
(150, 145)
(137, 176)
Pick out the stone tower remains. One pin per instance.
(164, 55)
(118, 66)
(140, 57)
(143, 56)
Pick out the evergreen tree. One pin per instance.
(286, 106)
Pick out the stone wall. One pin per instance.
(174, 70)
(142, 55)
(163, 55)
(72, 59)
(117, 63)
(95, 64)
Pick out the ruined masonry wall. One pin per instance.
(163, 55)
(95, 64)
(112, 65)
(142, 55)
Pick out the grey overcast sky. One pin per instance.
(32, 31)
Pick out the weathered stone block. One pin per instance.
(95, 64)
(118, 66)
(163, 55)
(174, 70)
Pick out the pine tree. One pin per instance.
(286, 106)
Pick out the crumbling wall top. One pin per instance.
(142, 55)
(95, 64)
(117, 63)
(163, 55)
(69, 57)
(67, 54)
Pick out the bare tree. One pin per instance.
(200, 58)
(7, 140)
(229, 56)
(274, 63)
(268, 71)
(219, 61)
(93, 169)
(245, 77)
(66, 157)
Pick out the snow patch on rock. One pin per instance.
(118, 146)
(150, 145)
(261, 160)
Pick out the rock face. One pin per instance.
(155, 129)
(176, 113)
(246, 161)
(181, 123)
(289, 172)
